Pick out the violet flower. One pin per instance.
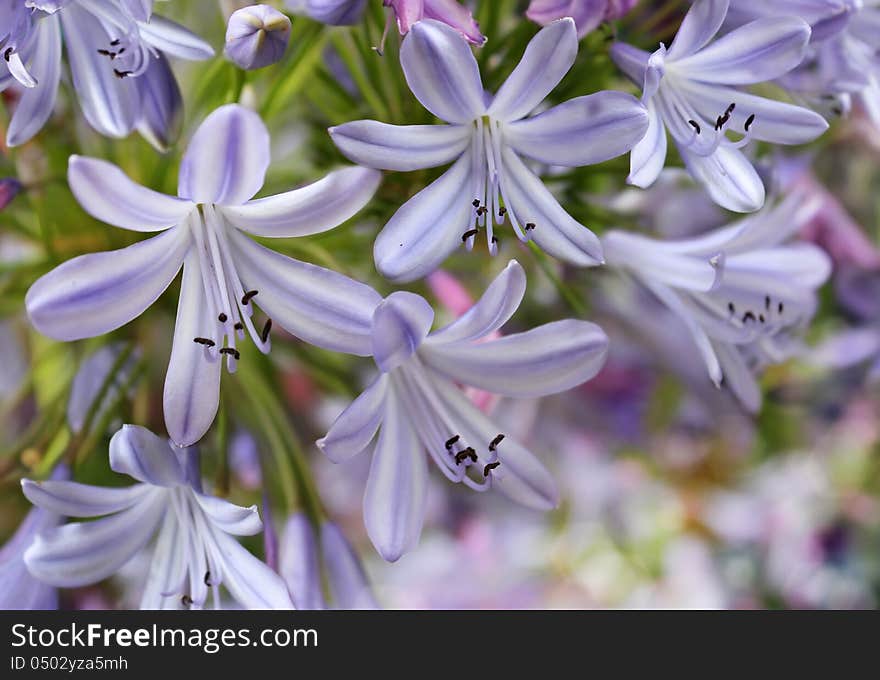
(843, 62)
(740, 290)
(587, 14)
(225, 273)
(116, 51)
(256, 36)
(195, 552)
(486, 140)
(416, 406)
(691, 90)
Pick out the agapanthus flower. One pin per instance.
(116, 50)
(406, 12)
(225, 273)
(194, 552)
(417, 408)
(20, 589)
(256, 36)
(692, 90)
(486, 139)
(741, 290)
(587, 14)
(843, 62)
(306, 553)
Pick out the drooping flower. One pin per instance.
(21, 591)
(416, 407)
(486, 142)
(843, 62)
(256, 36)
(225, 273)
(116, 51)
(304, 552)
(194, 553)
(407, 13)
(693, 91)
(587, 14)
(741, 290)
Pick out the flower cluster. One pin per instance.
(526, 125)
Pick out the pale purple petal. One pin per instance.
(94, 294)
(20, 590)
(83, 553)
(394, 502)
(299, 563)
(36, 104)
(762, 50)
(442, 72)
(317, 305)
(172, 38)
(73, 499)
(312, 209)
(401, 322)
(192, 382)
(227, 158)
(777, 122)
(400, 147)
(581, 131)
(631, 60)
(556, 232)
(356, 426)
(161, 105)
(649, 155)
(738, 378)
(700, 25)
(345, 575)
(230, 518)
(587, 14)
(248, 580)
(547, 58)
(545, 360)
(490, 312)
(110, 104)
(107, 194)
(138, 453)
(428, 227)
(729, 177)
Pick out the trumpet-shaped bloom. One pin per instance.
(741, 290)
(256, 36)
(407, 13)
(225, 273)
(692, 90)
(194, 553)
(843, 62)
(486, 141)
(416, 407)
(587, 14)
(116, 50)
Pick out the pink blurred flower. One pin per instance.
(450, 12)
(587, 14)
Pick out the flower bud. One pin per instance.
(256, 36)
